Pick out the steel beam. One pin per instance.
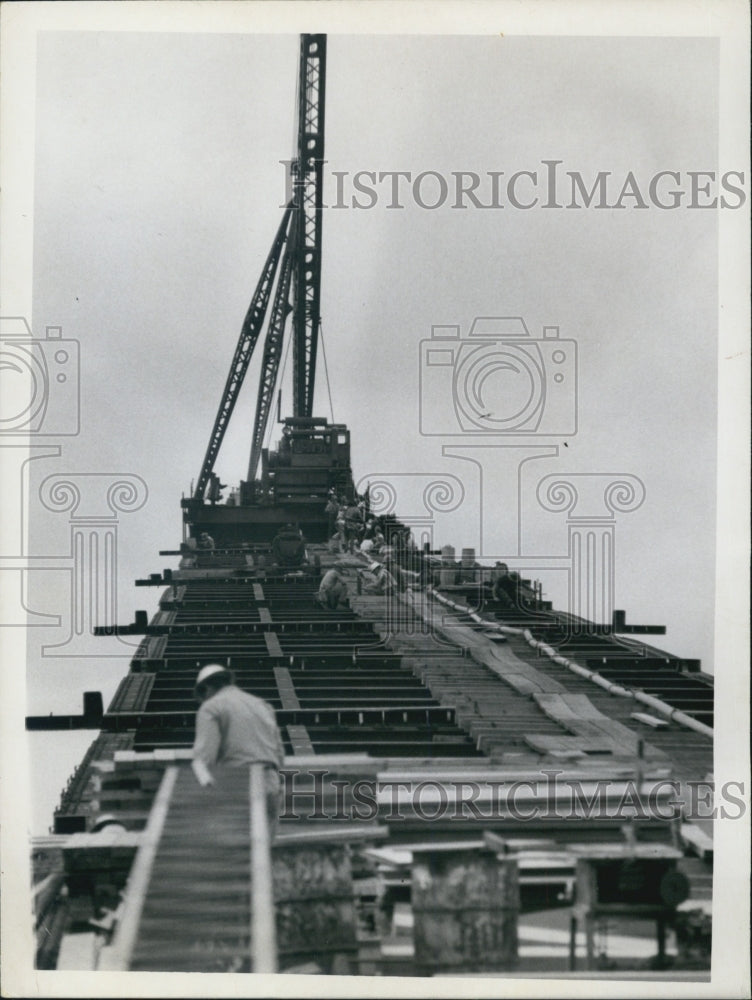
(270, 362)
(249, 335)
(308, 201)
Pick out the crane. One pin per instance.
(294, 262)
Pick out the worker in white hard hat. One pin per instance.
(377, 579)
(108, 822)
(235, 728)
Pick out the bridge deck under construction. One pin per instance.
(390, 692)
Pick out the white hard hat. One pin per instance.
(208, 671)
(106, 819)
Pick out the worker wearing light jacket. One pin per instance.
(234, 728)
(332, 590)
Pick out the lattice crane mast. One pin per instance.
(295, 262)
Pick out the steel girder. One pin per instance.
(270, 361)
(308, 201)
(249, 335)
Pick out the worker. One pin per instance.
(288, 547)
(378, 579)
(108, 822)
(235, 728)
(215, 488)
(339, 523)
(509, 589)
(336, 544)
(332, 510)
(378, 541)
(354, 525)
(332, 589)
(205, 541)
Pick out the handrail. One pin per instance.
(117, 956)
(263, 930)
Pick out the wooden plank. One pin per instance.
(521, 676)
(620, 850)
(77, 952)
(156, 647)
(301, 741)
(286, 688)
(649, 720)
(329, 833)
(580, 716)
(132, 693)
(339, 763)
(258, 592)
(570, 745)
(273, 647)
(264, 616)
(700, 843)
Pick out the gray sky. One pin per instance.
(157, 194)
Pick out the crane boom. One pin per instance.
(295, 262)
(308, 201)
(270, 362)
(247, 341)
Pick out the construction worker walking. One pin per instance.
(234, 728)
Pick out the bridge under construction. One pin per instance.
(473, 781)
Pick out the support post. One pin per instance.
(263, 931)
(572, 943)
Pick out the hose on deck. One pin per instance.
(656, 704)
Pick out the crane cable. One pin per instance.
(326, 369)
(279, 381)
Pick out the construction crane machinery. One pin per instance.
(313, 456)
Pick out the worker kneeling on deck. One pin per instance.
(332, 590)
(235, 729)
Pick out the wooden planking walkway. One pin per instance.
(580, 716)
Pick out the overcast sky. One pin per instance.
(158, 189)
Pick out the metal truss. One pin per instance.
(270, 361)
(249, 335)
(308, 209)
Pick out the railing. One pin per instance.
(263, 930)
(263, 948)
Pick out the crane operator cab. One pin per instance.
(312, 457)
